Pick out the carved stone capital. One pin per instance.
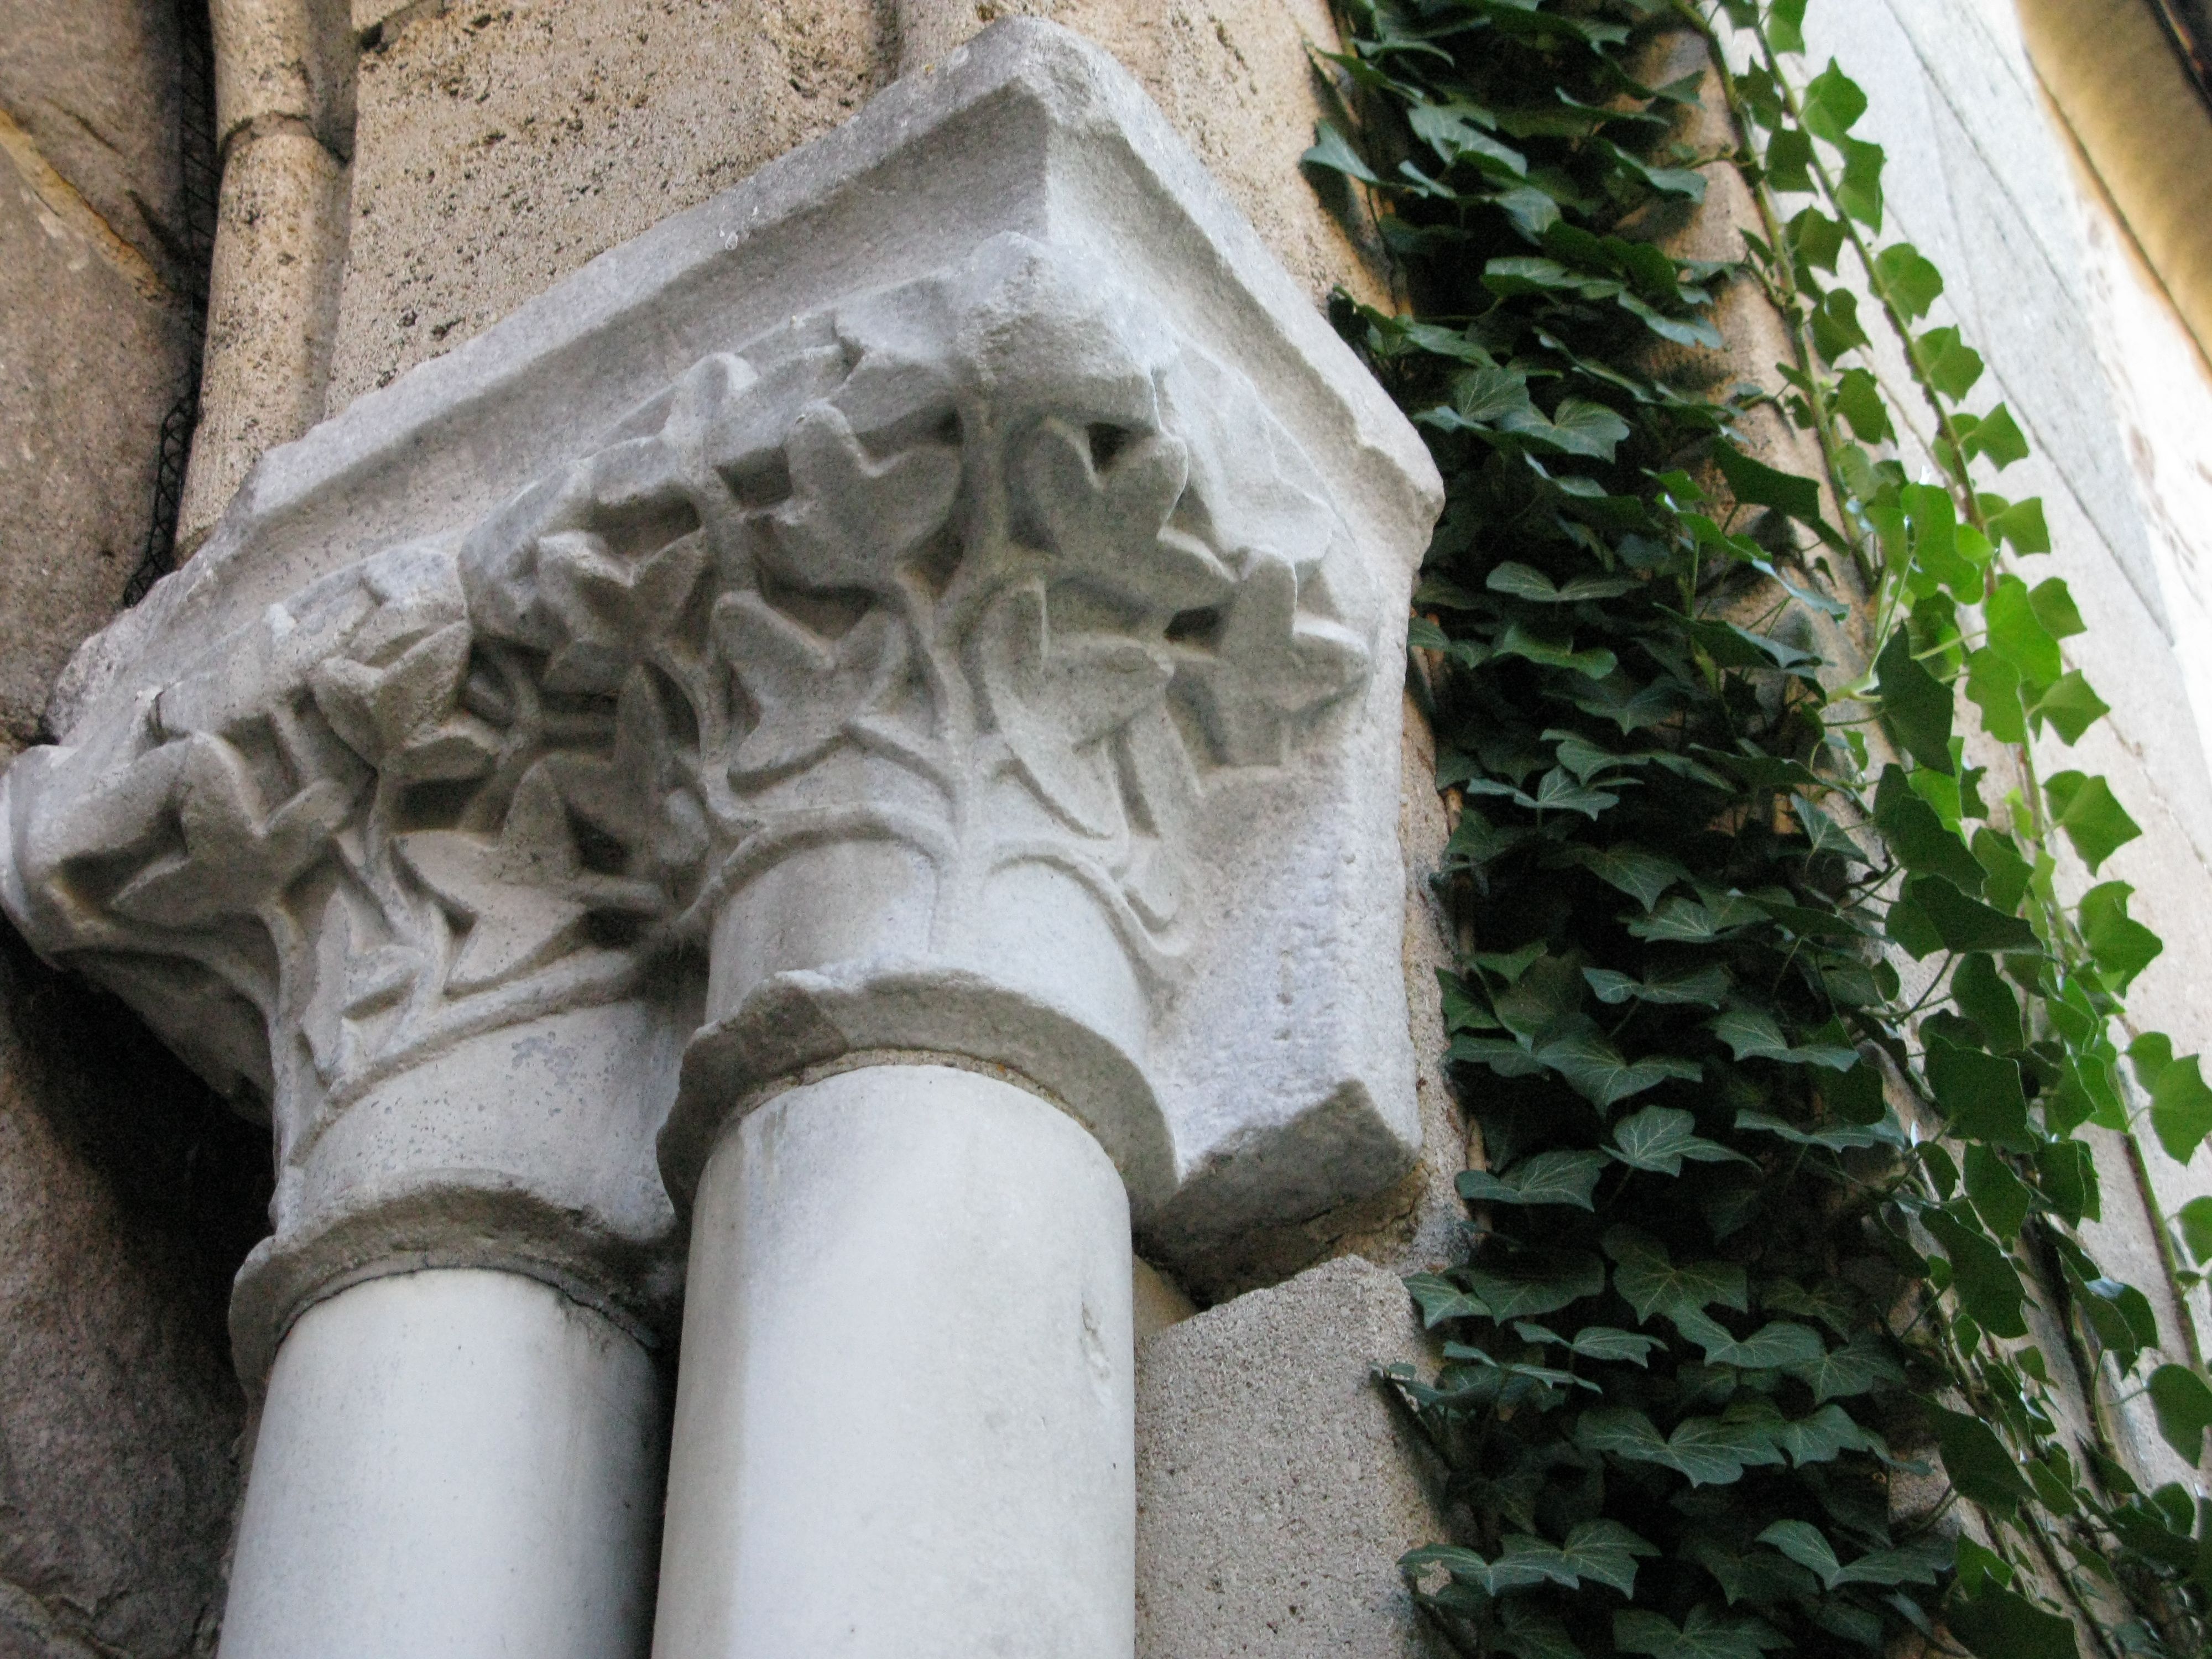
(942, 598)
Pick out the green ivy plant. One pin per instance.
(1766, 1230)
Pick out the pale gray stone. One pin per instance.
(949, 589)
(953, 1480)
(459, 1463)
(1276, 1489)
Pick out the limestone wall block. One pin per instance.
(93, 86)
(1235, 79)
(1275, 1489)
(89, 364)
(284, 60)
(272, 313)
(498, 151)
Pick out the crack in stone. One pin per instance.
(63, 200)
(26, 1613)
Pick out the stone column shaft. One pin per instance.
(459, 1463)
(906, 1421)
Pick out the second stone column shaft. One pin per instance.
(905, 1419)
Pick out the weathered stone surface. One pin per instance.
(1275, 1488)
(1237, 79)
(93, 84)
(284, 60)
(496, 150)
(88, 367)
(272, 312)
(127, 1195)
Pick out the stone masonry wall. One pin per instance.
(1979, 179)
(126, 1196)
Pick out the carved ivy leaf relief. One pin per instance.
(402, 716)
(1112, 528)
(1056, 701)
(237, 855)
(806, 690)
(1270, 665)
(853, 521)
(524, 895)
(968, 564)
(607, 608)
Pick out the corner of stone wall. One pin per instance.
(1277, 1485)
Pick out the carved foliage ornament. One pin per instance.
(990, 565)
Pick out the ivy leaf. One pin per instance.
(1466, 1566)
(1832, 104)
(2195, 1220)
(1527, 1290)
(1659, 1137)
(1860, 1366)
(1858, 399)
(2184, 1404)
(1523, 582)
(2071, 707)
(1997, 437)
(1529, 1632)
(1979, 1464)
(1805, 1544)
(1757, 484)
(1652, 1283)
(1907, 280)
(1985, 1277)
(2123, 946)
(1858, 193)
(1993, 684)
(1921, 839)
(1964, 924)
(2021, 525)
(1629, 706)
(2094, 820)
(1603, 1076)
(1333, 150)
(1705, 1634)
(1605, 1551)
(1554, 1178)
(1998, 1623)
(2181, 1108)
(1597, 664)
(1578, 426)
(1982, 997)
(1644, 876)
(2017, 633)
(1682, 921)
(1842, 1138)
(1605, 1342)
(1950, 365)
(1823, 1437)
(1439, 1299)
(1703, 987)
(1774, 1346)
(1752, 1033)
(1999, 1196)
(1709, 1452)
(1916, 705)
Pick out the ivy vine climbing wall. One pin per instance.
(1781, 1036)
